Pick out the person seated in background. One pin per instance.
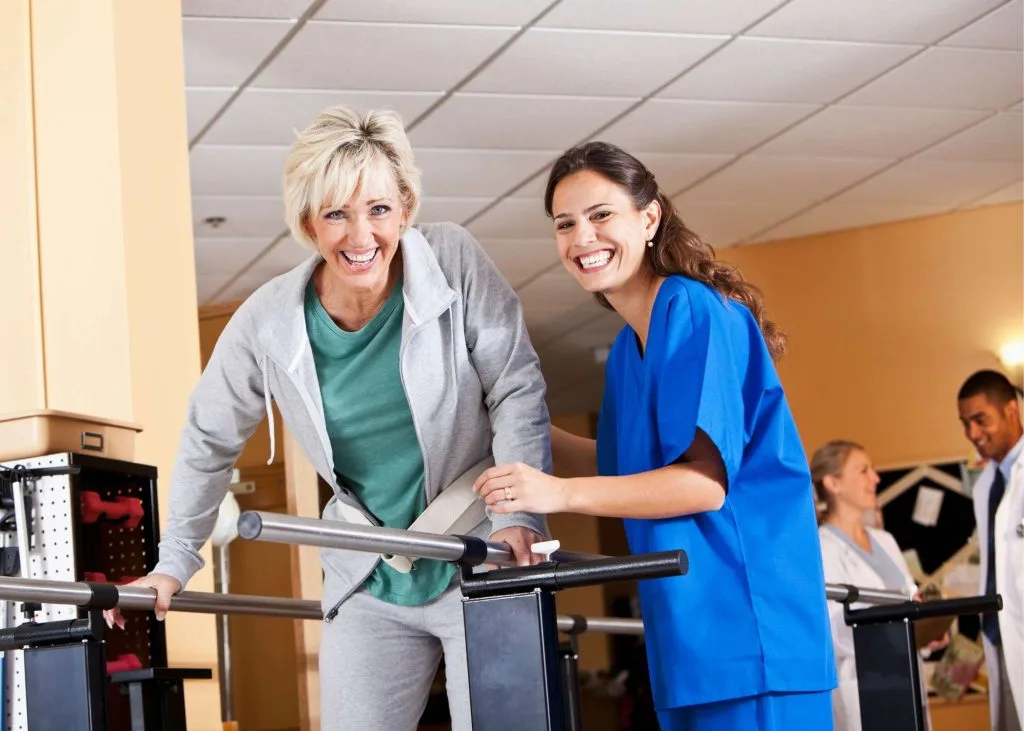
(853, 553)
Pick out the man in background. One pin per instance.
(991, 417)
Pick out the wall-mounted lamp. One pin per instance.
(1011, 355)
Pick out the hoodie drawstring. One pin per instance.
(270, 409)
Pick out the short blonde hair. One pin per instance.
(329, 159)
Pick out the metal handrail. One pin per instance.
(256, 525)
(81, 594)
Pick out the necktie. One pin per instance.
(990, 620)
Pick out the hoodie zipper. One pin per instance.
(405, 390)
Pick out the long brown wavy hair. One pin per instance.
(676, 249)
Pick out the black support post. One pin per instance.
(888, 675)
(518, 679)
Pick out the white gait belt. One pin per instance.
(457, 510)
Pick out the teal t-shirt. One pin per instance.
(376, 452)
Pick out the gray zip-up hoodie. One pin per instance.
(469, 372)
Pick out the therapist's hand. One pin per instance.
(519, 540)
(519, 488)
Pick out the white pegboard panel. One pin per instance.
(51, 556)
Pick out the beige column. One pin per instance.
(301, 484)
(96, 247)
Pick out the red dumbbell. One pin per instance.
(94, 576)
(122, 663)
(127, 509)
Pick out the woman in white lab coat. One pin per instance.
(845, 483)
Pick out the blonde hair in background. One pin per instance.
(330, 158)
(829, 459)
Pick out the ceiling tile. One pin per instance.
(578, 332)
(591, 63)
(435, 210)
(201, 105)
(207, 285)
(725, 224)
(333, 55)
(675, 172)
(226, 256)
(522, 122)
(285, 255)
(552, 295)
(1009, 194)
(670, 125)
(477, 173)
(223, 52)
(844, 131)
(241, 288)
(274, 116)
(1002, 29)
(669, 16)
(458, 12)
(514, 218)
(834, 216)
(791, 181)
(520, 259)
(800, 71)
(998, 139)
(236, 170)
(536, 186)
(933, 182)
(244, 216)
(882, 21)
(286, 9)
(948, 77)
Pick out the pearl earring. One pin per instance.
(650, 244)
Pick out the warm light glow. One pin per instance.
(1012, 354)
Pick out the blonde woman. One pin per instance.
(398, 357)
(853, 553)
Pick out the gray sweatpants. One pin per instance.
(377, 661)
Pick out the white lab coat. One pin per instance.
(843, 565)
(1009, 526)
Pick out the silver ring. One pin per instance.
(508, 493)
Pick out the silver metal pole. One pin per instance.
(221, 579)
(256, 525)
(277, 528)
(841, 592)
(607, 625)
(79, 594)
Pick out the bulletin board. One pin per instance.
(929, 511)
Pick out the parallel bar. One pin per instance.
(846, 592)
(138, 598)
(277, 528)
(925, 610)
(607, 625)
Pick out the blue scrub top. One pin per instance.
(750, 616)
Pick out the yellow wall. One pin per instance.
(886, 322)
(22, 381)
(98, 298)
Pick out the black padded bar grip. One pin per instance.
(474, 551)
(554, 576)
(924, 610)
(104, 596)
